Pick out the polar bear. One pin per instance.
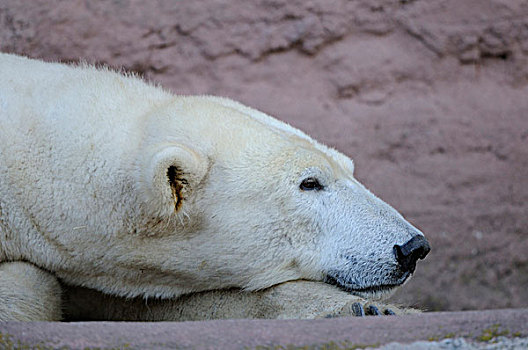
(113, 184)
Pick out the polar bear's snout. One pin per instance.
(371, 248)
(408, 254)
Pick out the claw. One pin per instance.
(389, 312)
(372, 310)
(358, 310)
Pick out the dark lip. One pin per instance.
(370, 289)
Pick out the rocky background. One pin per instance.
(430, 98)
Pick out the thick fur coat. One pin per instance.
(110, 183)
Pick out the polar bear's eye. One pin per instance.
(310, 184)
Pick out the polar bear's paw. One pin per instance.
(290, 300)
(28, 293)
(364, 308)
(371, 310)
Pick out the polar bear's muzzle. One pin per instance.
(378, 279)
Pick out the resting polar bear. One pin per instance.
(112, 184)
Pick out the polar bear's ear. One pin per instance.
(175, 171)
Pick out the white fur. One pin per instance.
(84, 191)
(28, 293)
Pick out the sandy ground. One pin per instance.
(429, 98)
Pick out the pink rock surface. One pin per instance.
(429, 98)
(270, 334)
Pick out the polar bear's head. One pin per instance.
(251, 202)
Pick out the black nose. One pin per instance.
(408, 254)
